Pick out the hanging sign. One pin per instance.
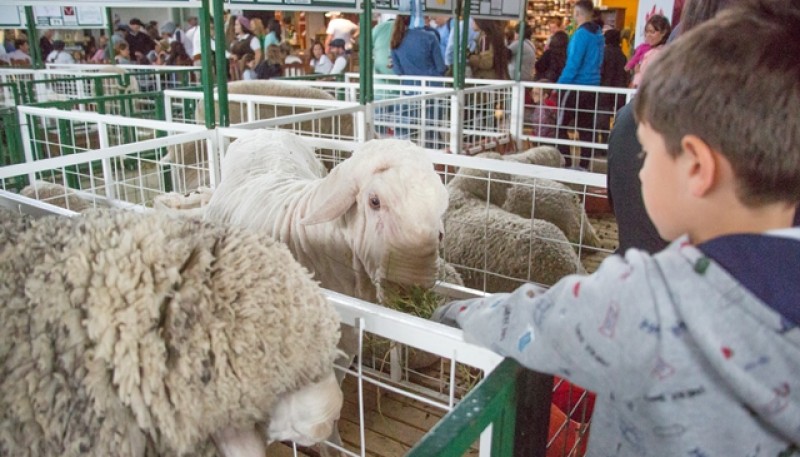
(11, 17)
(69, 17)
(297, 5)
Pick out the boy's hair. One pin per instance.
(20, 42)
(736, 91)
(121, 46)
(586, 6)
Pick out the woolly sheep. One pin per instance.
(58, 195)
(188, 156)
(377, 217)
(531, 197)
(484, 237)
(135, 334)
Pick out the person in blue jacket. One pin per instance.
(415, 52)
(584, 61)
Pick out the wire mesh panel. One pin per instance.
(420, 114)
(150, 78)
(521, 218)
(576, 119)
(76, 146)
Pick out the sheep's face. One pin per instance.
(398, 222)
(391, 203)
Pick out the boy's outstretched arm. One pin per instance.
(598, 331)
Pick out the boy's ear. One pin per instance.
(701, 165)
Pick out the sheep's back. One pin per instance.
(483, 237)
(151, 326)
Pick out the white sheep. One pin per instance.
(133, 334)
(376, 217)
(482, 237)
(58, 195)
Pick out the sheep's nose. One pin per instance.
(441, 236)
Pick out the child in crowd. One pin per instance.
(122, 53)
(542, 115)
(249, 72)
(693, 351)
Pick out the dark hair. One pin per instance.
(738, 92)
(177, 53)
(274, 26)
(586, 6)
(559, 42)
(661, 24)
(527, 33)
(612, 37)
(59, 45)
(493, 31)
(20, 42)
(695, 12)
(399, 30)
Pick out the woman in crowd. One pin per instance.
(656, 33)
(552, 62)
(273, 33)
(320, 62)
(490, 59)
(528, 54)
(245, 43)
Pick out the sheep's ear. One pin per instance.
(334, 197)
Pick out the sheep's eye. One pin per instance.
(374, 202)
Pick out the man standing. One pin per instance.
(342, 29)
(139, 42)
(188, 35)
(584, 60)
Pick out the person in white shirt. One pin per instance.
(59, 55)
(189, 34)
(21, 53)
(342, 29)
(319, 60)
(337, 49)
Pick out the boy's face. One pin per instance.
(663, 186)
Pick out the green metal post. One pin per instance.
(365, 55)
(520, 45)
(460, 53)
(205, 62)
(222, 63)
(110, 31)
(33, 43)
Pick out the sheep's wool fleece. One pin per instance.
(127, 334)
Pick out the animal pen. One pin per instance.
(410, 372)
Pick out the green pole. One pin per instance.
(365, 55)
(520, 45)
(459, 58)
(222, 63)
(110, 31)
(205, 62)
(33, 44)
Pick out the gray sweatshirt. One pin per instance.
(685, 360)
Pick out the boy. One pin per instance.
(694, 351)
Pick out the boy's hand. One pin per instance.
(447, 313)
